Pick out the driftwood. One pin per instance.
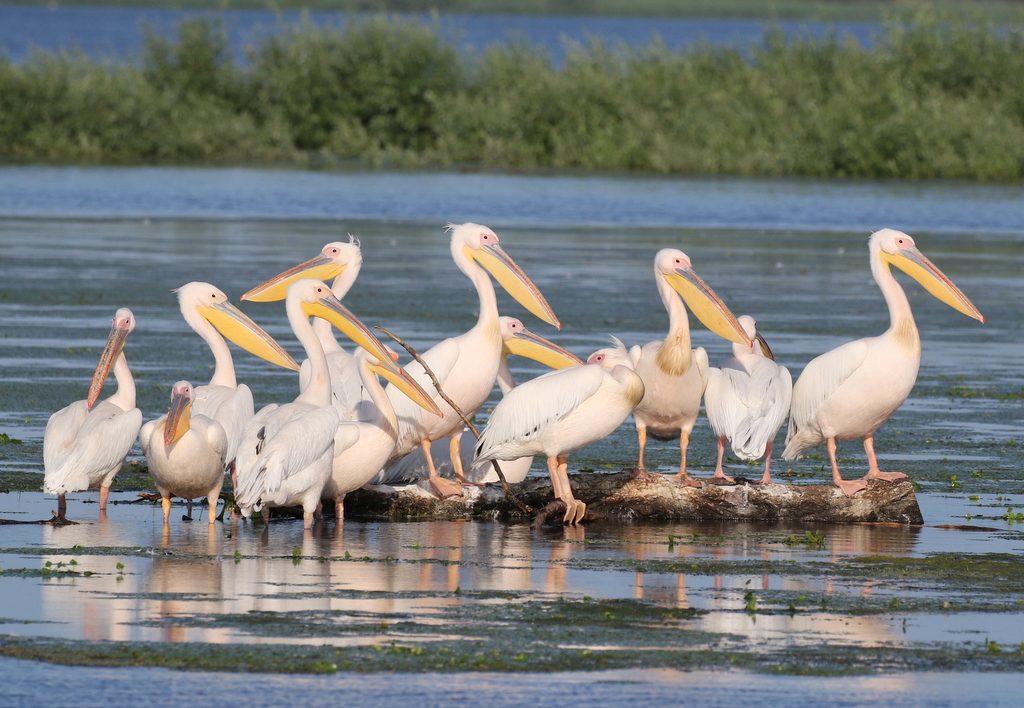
(628, 497)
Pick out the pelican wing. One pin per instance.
(100, 445)
(231, 407)
(61, 431)
(249, 479)
(297, 444)
(816, 384)
(724, 400)
(441, 359)
(769, 390)
(529, 409)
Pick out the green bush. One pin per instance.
(933, 98)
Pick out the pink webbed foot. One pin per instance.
(851, 486)
(683, 479)
(444, 488)
(574, 511)
(889, 476)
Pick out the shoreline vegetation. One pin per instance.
(934, 97)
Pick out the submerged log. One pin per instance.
(628, 497)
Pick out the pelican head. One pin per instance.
(180, 415)
(121, 326)
(480, 245)
(756, 340)
(213, 306)
(898, 249)
(610, 357)
(315, 299)
(674, 266)
(516, 339)
(335, 259)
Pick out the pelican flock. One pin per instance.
(345, 429)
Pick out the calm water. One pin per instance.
(117, 32)
(77, 243)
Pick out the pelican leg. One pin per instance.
(849, 487)
(62, 505)
(339, 508)
(188, 510)
(307, 519)
(688, 481)
(443, 488)
(212, 500)
(454, 448)
(165, 502)
(767, 478)
(556, 480)
(873, 471)
(719, 472)
(265, 515)
(641, 439)
(574, 508)
(104, 495)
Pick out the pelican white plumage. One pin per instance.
(850, 391)
(675, 375)
(747, 400)
(517, 340)
(207, 310)
(85, 443)
(287, 451)
(556, 413)
(185, 453)
(467, 365)
(341, 261)
(356, 464)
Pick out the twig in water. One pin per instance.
(437, 384)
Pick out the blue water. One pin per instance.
(116, 32)
(858, 206)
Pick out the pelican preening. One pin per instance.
(517, 340)
(185, 452)
(85, 444)
(675, 375)
(850, 391)
(747, 400)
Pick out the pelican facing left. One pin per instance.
(85, 445)
(850, 391)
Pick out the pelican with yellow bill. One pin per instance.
(850, 391)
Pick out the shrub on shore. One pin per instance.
(931, 98)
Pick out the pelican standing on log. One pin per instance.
(185, 453)
(675, 375)
(747, 400)
(207, 310)
(850, 391)
(556, 413)
(517, 340)
(287, 451)
(85, 445)
(466, 366)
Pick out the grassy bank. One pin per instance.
(932, 99)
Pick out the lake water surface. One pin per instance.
(75, 244)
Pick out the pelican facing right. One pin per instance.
(850, 391)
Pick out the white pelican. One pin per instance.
(206, 310)
(286, 454)
(467, 365)
(357, 463)
(747, 400)
(341, 261)
(85, 445)
(185, 453)
(518, 340)
(557, 413)
(850, 391)
(675, 375)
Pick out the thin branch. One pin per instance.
(437, 384)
